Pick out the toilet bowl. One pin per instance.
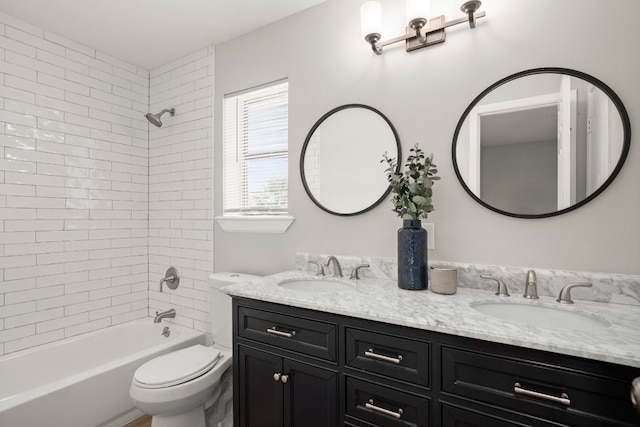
(173, 388)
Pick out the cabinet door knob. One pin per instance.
(276, 376)
(635, 393)
(284, 379)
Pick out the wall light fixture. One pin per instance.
(421, 31)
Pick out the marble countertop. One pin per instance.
(381, 300)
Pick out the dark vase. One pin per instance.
(412, 256)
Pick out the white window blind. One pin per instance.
(255, 151)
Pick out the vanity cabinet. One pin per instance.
(285, 370)
(346, 371)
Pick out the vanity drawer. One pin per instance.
(535, 388)
(381, 405)
(390, 356)
(457, 416)
(303, 335)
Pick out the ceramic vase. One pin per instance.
(412, 256)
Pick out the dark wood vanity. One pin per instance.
(299, 367)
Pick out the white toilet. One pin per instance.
(174, 387)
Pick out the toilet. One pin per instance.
(174, 388)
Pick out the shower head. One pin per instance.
(154, 119)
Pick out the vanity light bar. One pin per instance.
(417, 34)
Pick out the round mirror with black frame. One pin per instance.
(340, 163)
(541, 142)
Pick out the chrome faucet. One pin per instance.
(354, 273)
(565, 293)
(169, 314)
(531, 286)
(320, 271)
(337, 270)
(171, 278)
(502, 287)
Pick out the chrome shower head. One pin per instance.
(154, 119)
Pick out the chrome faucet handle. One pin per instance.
(354, 272)
(320, 271)
(531, 286)
(171, 278)
(502, 287)
(565, 293)
(337, 270)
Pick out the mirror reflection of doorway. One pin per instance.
(519, 162)
(593, 133)
(530, 149)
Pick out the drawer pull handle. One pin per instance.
(370, 405)
(370, 353)
(274, 331)
(563, 399)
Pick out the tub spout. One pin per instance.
(169, 314)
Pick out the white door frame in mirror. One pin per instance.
(565, 103)
(604, 156)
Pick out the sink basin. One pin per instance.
(544, 316)
(316, 285)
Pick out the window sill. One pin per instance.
(255, 224)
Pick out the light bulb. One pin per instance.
(417, 9)
(370, 18)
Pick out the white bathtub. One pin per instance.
(83, 381)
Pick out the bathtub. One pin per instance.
(83, 381)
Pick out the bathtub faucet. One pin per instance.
(169, 314)
(171, 278)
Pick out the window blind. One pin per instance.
(255, 151)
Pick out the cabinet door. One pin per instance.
(310, 395)
(260, 395)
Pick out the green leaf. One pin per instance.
(412, 188)
(419, 200)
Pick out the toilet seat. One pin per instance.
(177, 367)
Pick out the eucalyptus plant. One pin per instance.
(412, 190)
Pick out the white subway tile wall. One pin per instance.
(96, 204)
(73, 189)
(181, 186)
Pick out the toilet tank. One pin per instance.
(221, 319)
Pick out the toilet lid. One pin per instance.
(177, 367)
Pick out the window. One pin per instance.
(255, 152)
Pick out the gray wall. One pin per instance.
(520, 178)
(424, 93)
